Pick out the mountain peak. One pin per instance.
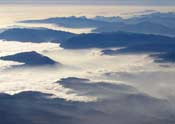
(30, 58)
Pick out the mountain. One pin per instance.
(39, 108)
(141, 27)
(71, 22)
(35, 35)
(154, 23)
(108, 19)
(130, 43)
(115, 39)
(165, 19)
(160, 52)
(31, 107)
(30, 58)
(164, 57)
(101, 90)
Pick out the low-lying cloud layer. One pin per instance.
(88, 87)
(88, 64)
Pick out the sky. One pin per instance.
(103, 2)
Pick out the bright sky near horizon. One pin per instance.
(103, 2)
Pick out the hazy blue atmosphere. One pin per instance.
(87, 62)
(110, 2)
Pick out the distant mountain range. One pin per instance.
(155, 23)
(153, 33)
(165, 19)
(73, 22)
(141, 27)
(30, 58)
(108, 19)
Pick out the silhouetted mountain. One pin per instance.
(108, 19)
(155, 23)
(166, 19)
(147, 47)
(164, 49)
(142, 27)
(101, 90)
(30, 58)
(71, 22)
(164, 57)
(132, 42)
(36, 35)
(115, 39)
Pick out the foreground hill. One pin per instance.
(40, 108)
